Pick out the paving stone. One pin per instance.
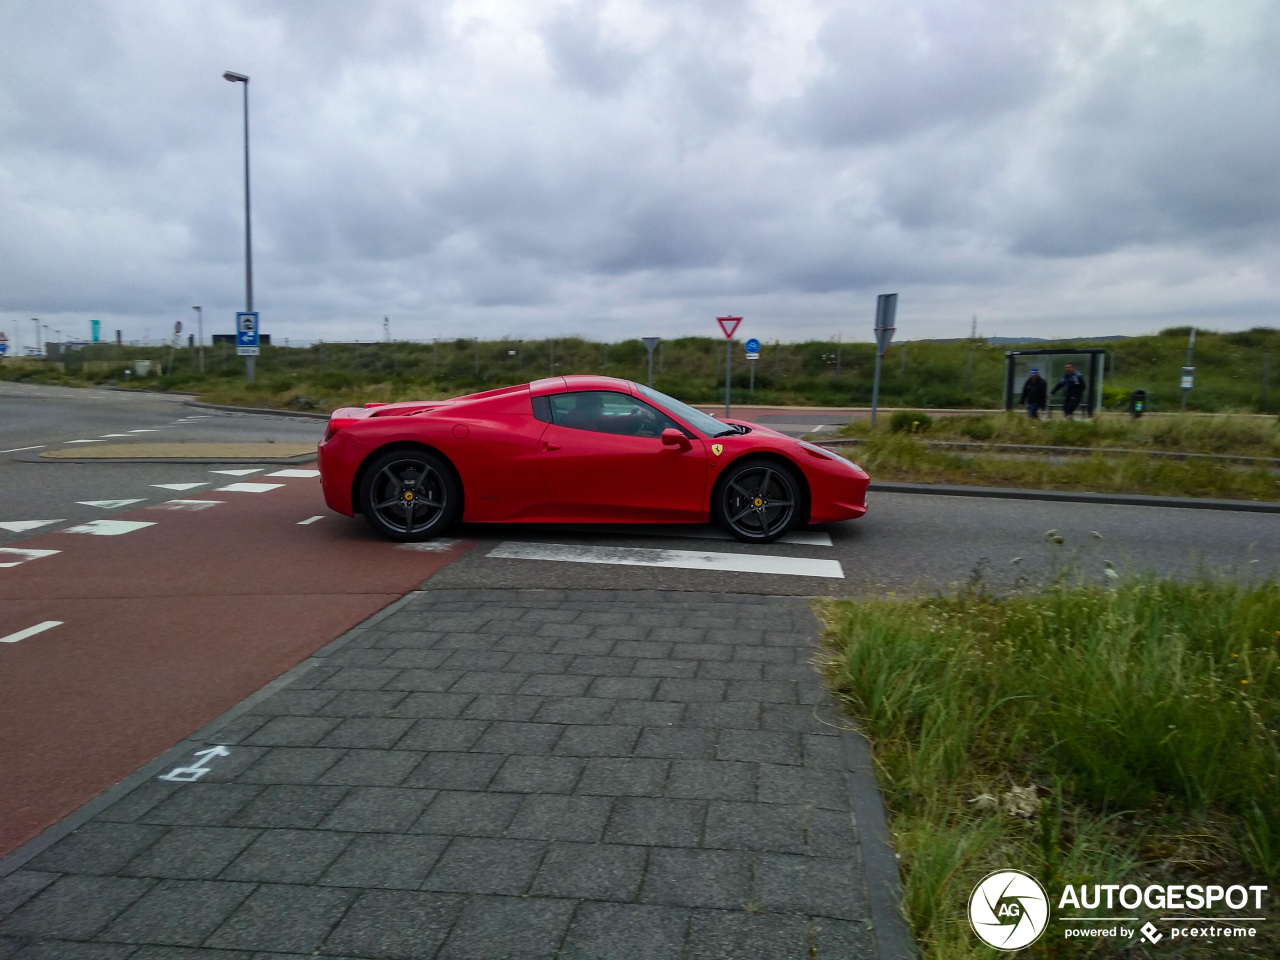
(484, 931)
(287, 856)
(780, 638)
(178, 913)
(20, 886)
(363, 703)
(823, 751)
(436, 706)
(359, 678)
(803, 673)
(202, 804)
(677, 743)
(477, 660)
(292, 765)
(530, 739)
(285, 919)
(591, 871)
(502, 707)
(289, 805)
(351, 655)
(616, 931)
(624, 777)
(415, 659)
(653, 649)
(138, 801)
(538, 774)
(809, 885)
(827, 789)
(468, 814)
(550, 615)
(595, 647)
(454, 771)
(525, 645)
(599, 740)
(236, 730)
(565, 630)
(555, 685)
(479, 865)
(372, 732)
(602, 666)
(394, 861)
(374, 768)
(433, 681)
(777, 828)
(98, 848)
(729, 715)
(697, 878)
(682, 669)
(292, 731)
(656, 822)
(191, 853)
(300, 702)
(395, 924)
(842, 939)
(647, 713)
(66, 950)
(712, 780)
(574, 710)
(736, 935)
(75, 908)
(379, 809)
(620, 631)
(730, 670)
(831, 834)
(794, 718)
(763, 691)
(625, 688)
(440, 735)
(706, 651)
(557, 817)
(691, 691)
(759, 746)
(764, 654)
(736, 635)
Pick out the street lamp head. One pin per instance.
(235, 77)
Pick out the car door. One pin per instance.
(603, 458)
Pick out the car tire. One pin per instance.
(410, 495)
(757, 500)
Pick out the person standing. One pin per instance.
(1072, 387)
(1035, 394)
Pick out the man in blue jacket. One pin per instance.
(1035, 394)
(1072, 386)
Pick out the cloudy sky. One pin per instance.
(614, 168)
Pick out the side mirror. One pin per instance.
(671, 437)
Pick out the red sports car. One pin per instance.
(576, 450)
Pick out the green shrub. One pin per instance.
(910, 421)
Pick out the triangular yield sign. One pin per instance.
(21, 526)
(728, 325)
(107, 504)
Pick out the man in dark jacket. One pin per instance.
(1072, 385)
(1035, 394)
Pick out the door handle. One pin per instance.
(548, 445)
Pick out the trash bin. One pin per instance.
(1137, 403)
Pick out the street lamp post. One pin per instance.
(248, 232)
(200, 333)
(35, 322)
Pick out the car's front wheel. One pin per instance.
(410, 495)
(757, 501)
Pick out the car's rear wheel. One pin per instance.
(757, 501)
(410, 495)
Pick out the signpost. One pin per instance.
(4, 343)
(1188, 371)
(728, 325)
(95, 330)
(886, 312)
(753, 354)
(246, 335)
(649, 344)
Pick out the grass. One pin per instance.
(925, 374)
(1146, 713)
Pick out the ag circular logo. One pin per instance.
(1008, 910)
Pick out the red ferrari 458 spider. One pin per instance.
(576, 450)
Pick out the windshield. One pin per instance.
(695, 418)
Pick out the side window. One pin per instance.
(607, 412)
(542, 409)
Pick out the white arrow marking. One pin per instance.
(186, 505)
(31, 631)
(108, 504)
(295, 473)
(303, 523)
(22, 555)
(18, 526)
(238, 473)
(181, 486)
(109, 528)
(197, 769)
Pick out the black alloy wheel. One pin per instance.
(409, 495)
(757, 501)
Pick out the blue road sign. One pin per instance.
(753, 345)
(246, 334)
(4, 344)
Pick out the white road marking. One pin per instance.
(108, 436)
(109, 528)
(239, 473)
(199, 768)
(22, 555)
(31, 631)
(146, 430)
(191, 505)
(295, 473)
(108, 504)
(249, 487)
(430, 546)
(81, 441)
(19, 526)
(681, 559)
(181, 486)
(303, 523)
(38, 446)
(804, 538)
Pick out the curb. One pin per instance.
(879, 863)
(263, 411)
(1073, 496)
(1029, 448)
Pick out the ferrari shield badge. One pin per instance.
(717, 448)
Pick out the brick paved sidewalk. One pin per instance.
(484, 774)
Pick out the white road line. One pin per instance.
(303, 523)
(681, 559)
(31, 631)
(108, 436)
(804, 538)
(191, 505)
(108, 504)
(81, 441)
(109, 528)
(181, 486)
(146, 430)
(295, 473)
(249, 487)
(429, 546)
(22, 555)
(239, 473)
(38, 446)
(21, 526)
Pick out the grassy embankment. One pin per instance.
(1145, 713)
(905, 447)
(822, 373)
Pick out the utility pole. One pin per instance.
(200, 333)
(886, 312)
(248, 233)
(35, 322)
(1188, 371)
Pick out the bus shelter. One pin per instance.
(1090, 362)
